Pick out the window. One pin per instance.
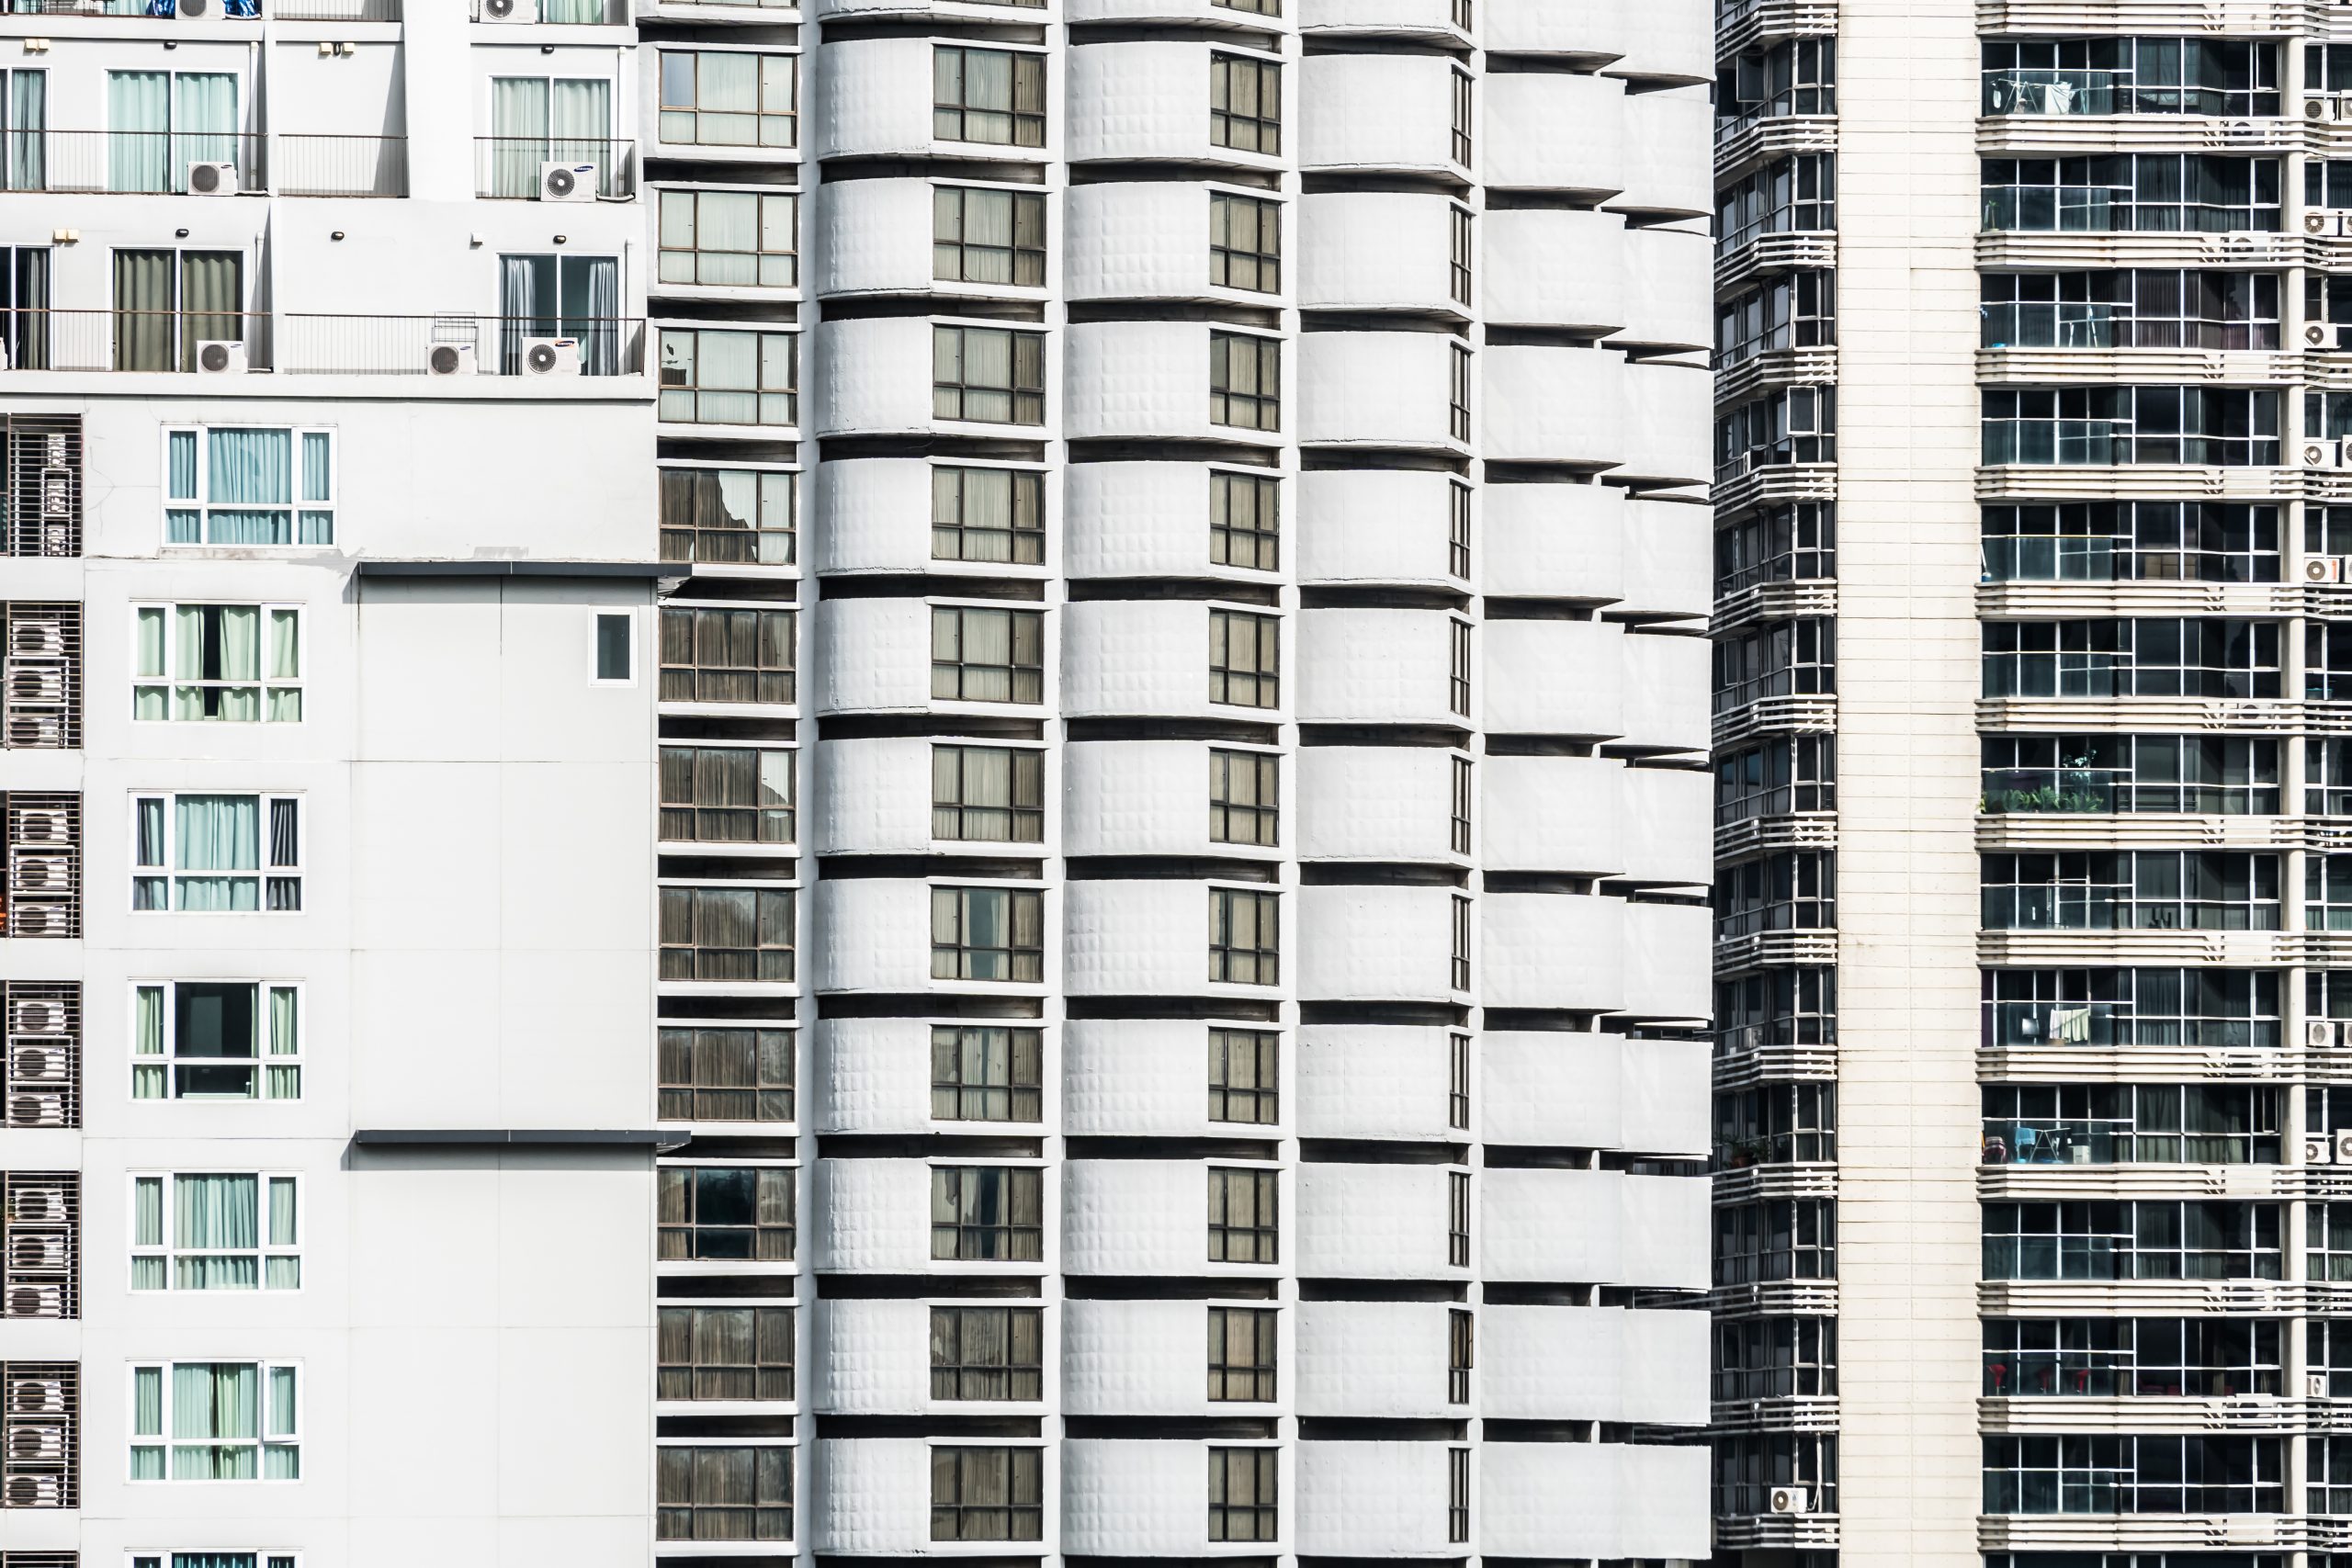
(216, 1560)
(167, 302)
(714, 97)
(1243, 1213)
(1460, 1346)
(1457, 688)
(1245, 658)
(551, 294)
(2159, 1240)
(211, 853)
(987, 933)
(2163, 1475)
(616, 649)
(1242, 1494)
(714, 1492)
(1798, 425)
(249, 486)
(1457, 397)
(988, 1494)
(237, 1232)
(1245, 243)
(2107, 1358)
(1795, 194)
(1245, 381)
(1799, 311)
(1779, 1358)
(987, 514)
(2205, 1009)
(25, 318)
(1776, 777)
(723, 1352)
(1245, 930)
(719, 1073)
(2117, 193)
(1460, 820)
(1457, 1078)
(2131, 890)
(1790, 891)
(2131, 541)
(1245, 520)
(1461, 944)
(713, 655)
(1244, 1076)
(1748, 1469)
(990, 95)
(216, 1040)
(988, 374)
(1245, 792)
(1457, 1461)
(1777, 1125)
(541, 119)
(730, 239)
(988, 1213)
(1255, 8)
(987, 1073)
(987, 656)
(729, 516)
(1246, 104)
(988, 794)
(2142, 75)
(728, 933)
(1782, 1239)
(1457, 532)
(2151, 657)
(2105, 426)
(1457, 1226)
(1241, 1353)
(736, 1213)
(1461, 118)
(1783, 658)
(713, 376)
(987, 236)
(225, 663)
(216, 1421)
(987, 1353)
(727, 794)
(1461, 257)
(2126, 307)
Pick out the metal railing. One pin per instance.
(575, 13)
(335, 10)
(151, 162)
(128, 340)
(485, 345)
(510, 169)
(342, 165)
(137, 10)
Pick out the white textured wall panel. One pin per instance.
(1142, 379)
(1376, 250)
(1136, 1217)
(1375, 803)
(1376, 1222)
(1143, 100)
(1135, 1078)
(870, 514)
(879, 235)
(1664, 675)
(1137, 520)
(1140, 241)
(1142, 938)
(1544, 404)
(873, 1075)
(1375, 1081)
(1373, 1500)
(1550, 1087)
(1665, 1097)
(1669, 553)
(1375, 525)
(1136, 1497)
(870, 796)
(877, 98)
(1140, 798)
(872, 1216)
(1376, 390)
(1556, 678)
(1553, 540)
(1667, 412)
(873, 1359)
(1550, 267)
(1669, 165)
(1375, 666)
(1666, 817)
(1374, 1360)
(1136, 1357)
(1593, 1227)
(1667, 973)
(1359, 943)
(1377, 111)
(1669, 282)
(1131, 656)
(1557, 1363)
(870, 1496)
(1555, 814)
(1591, 1499)
(1412, 18)
(1546, 950)
(1550, 131)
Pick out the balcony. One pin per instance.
(573, 13)
(520, 168)
(162, 162)
(448, 344)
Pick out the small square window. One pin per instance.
(616, 649)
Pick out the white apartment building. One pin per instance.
(509, 508)
(2032, 1074)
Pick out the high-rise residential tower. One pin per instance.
(2033, 1077)
(890, 779)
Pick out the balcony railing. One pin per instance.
(126, 161)
(513, 168)
(342, 165)
(242, 10)
(167, 341)
(575, 13)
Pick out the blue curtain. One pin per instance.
(251, 469)
(139, 125)
(28, 130)
(212, 1559)
(216, 1212)
(215, 1400)
(217, 832)
(204, 124)
(317, 478)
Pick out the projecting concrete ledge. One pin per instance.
(629, 1137)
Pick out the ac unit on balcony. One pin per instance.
(36, 640)
(2327, 223)
(34, 1492)
(41, 1064)
(2323, 569)
(36, 1206)
(2320, 1034)
(2318, 1150)
(36, 1396)
(36, 1015)
(218, 357)
(41, 870)
(510, 10)
(567, 181)
(213, 179)
(201, 10)
(1792, 1500)
(37, 1109)
(2344, 1148)
(43, 825)
(41, 919)
(37, 1254)
(33, 685)
(2315, 1385)
(552, 356)
(2324, 454)
(450, 359)
(44, 1444)
(33, 731)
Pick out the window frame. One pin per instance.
(756, 1366)
(1263, 402)
(945, 1185)
(1264, 1511)
(1263, 674)
(203, 506)
(683, 381)
(1261, 1374)
(1262, 1096)
(266, 1055)
(757, 1231)
(164, 1444)
(168, 1253)
(692, 195)
(690, 613)
(263, 685)
(759, 1089)
(1026, 486)
(1262, 1231)
(789, 1507)
(757, 950)
(268, 876)
(1226, 957)
(762, 751)
(1017, 813)
(1024, 1044)
(960, 951)
(1017, 617)
(1261, 532)
(596, 621)
(1017, 1510)
(760, 474)
(1020, 399)
(1021, 197)
(1224, 254)
(1264, 126)
(759, 116)
(1019, 121)
(961, 1368)
(1261, 817)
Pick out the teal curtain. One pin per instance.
(580, 126)
(28, 130)
(204, 124)
(142, 303)
(215, 1400)
(285, 664)
(318, 485)
(250, 470)
(147, 1041)
(281, 1460)
(139, 123)
(147, 1230)
(212, 1559)
(285, 1040)
(591, 11)
(518, 129)
(146, 1421)
(216, 1212)
(285, 1273)
(217, 832)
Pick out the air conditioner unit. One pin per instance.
(1792, 1500)
(218, 357)
(567, 181)
(2317, 1150)
(43, 1443)
(201, 10)
(41, 870)
(34, 1492)
(36, 1396)
(2319, 334)
(40, 1064)
(2327, 223)
(213, 179)
(37, 1109)
(33, 731)
(552, 356)
(41, 919)
(33, 685)
(2324, 454)
(2344, 1148)
(43, 825)
(2315, 1385)
(510, 10)
(37, 1254)
(36, 1015)
(2319, 1033)
(450, 359)
(36, 1206)
(36, 640)
(2323, 569)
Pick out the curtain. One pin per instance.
(727, 237)
(284, 1273)
(579, 124)
(600, 331)
(727, 378)
(212, 1559)
(285, 1040)
(572, 10)
(139, 118)
(204, 124)
(147, 1415)
(212, 301)
(147, 1039)
(518, 129)
(142, 303)
(252, 470)
(29, 330)
(525, 286)
(150, 702)
(214, 1212)
(217, 832)
(147, 1230)
(214, 1400)
(285, 664)
(28, 130)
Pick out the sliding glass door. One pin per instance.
(158, 122)
(166, 303)
(577, 296)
